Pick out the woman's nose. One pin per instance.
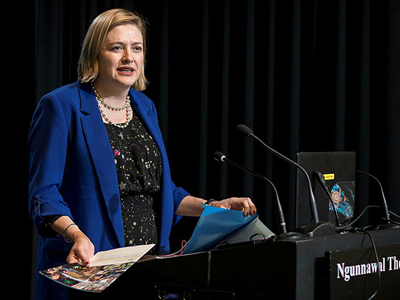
(127, 57)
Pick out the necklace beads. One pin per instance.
(101, 102)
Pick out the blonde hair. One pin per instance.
(88, 67)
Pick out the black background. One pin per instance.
(309, 75)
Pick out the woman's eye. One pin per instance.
(137, 48)
(116, 48)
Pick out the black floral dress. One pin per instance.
(139, 168)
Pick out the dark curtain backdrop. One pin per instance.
(305, 75)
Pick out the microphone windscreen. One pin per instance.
(246, 130)
(219, 156)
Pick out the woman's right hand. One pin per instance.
(83, 248)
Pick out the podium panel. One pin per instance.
(356, 274)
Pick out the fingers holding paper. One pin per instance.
(241, 204)
(81, 251)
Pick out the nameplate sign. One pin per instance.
(354, 274)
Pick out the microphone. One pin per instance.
(316, 228)
(389, 223)
(322, 182)
(219, 156)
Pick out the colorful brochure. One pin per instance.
(105, 267)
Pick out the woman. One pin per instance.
(99, 172)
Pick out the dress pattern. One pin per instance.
(139, 169)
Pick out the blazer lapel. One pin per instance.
(102, 156)
(149, 119)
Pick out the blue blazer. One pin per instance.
(72, 173)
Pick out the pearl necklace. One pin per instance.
(127, 106)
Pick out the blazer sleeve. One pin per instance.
(178, 195)
(47, 145)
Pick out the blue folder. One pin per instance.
(217, 225)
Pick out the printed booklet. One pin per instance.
(105, 267)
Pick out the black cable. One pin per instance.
(394, 222)
(359, 217)
(377, 261)
(394, 214)
(385, 206)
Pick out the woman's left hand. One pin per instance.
(241, 204)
